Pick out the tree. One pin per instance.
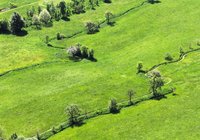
(131, 93)
(168, 57)
(91, 27)
(91, 55)
(78, 6)
(63, 9)
(4, 26)
(16, 23)
(75, 51)
(84, 52)
(45, 17)
(36, 22)
(113, 107)
(73, 112)
(91, 4)
(108, 16)
(139, 68)
(181, 52)
(47, 39)
(30, 13)
(13, 136)
(51, 9)
(38, 136)
(156, 83)
(39, 9)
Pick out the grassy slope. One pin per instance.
(176, 117)
(32, 95)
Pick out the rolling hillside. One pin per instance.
(37, 82)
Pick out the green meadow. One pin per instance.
(34, 98)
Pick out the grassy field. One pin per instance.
(34, 99)
(176, 117)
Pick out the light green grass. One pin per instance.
(34, 99)
(176, 117)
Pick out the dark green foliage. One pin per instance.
(73, 112)
(84, 52)
(36, 22)
(39, 9)
(108, 16)
(153, 1)
(156, 83)
(38, 136)
(4, 26)
(53, 130)
(92, 4)
(139, 68)
(51, 9)
(91, 55)
(63, 8)
(13, 136)
(30, 12)
(78, 6)
(47, 39)
(81, 52)
(131, 93)
(16, 23)
(181, 52)
(113, 107)
(107, 1)
(168, 57)
(91, 27)
(59, 36)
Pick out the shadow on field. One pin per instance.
(155, 2)
(159, 97)
(65, 18)
(112, 23)
(22, 33)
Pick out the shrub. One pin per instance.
(140, 68)
(113, 107)
(84, 52)
(4, 26)
(45, 17)
(131, 93)
(74, 113)
(77, 6)
(30, 12)
(91, 27)
(91, 55)
(156, 83)
(74, 51)
(81, 52)
(16, 23)
(168, 57)
(39, 9)
(36, 22)
(13, 136)
(108, 16)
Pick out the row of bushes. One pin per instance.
(76, 118)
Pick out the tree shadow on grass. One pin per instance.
(22, 33)
(65, 18)
(112, 23)
(159, 97)
(155, 2)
